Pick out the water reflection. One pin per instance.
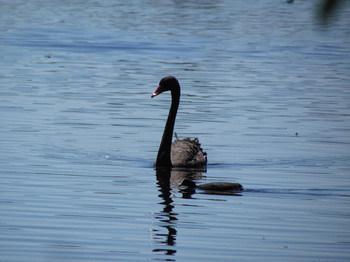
(166, 217)
(165, 234)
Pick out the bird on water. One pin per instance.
(182, 152)
(214, 186)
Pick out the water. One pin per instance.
(265, 87)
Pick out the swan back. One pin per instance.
(213, 187)
(221, 186)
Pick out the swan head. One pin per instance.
(188, 183)
(167, 83)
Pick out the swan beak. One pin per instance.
(157, 92)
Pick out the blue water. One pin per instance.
(265, 88)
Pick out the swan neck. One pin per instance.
(164, 152)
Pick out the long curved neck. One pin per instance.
(164, 152)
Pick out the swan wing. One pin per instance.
(187, 153)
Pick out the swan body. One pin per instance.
(187, 153)
(214, 186)
(180, 153)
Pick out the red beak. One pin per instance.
(157, 92)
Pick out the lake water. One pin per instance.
(265, 88)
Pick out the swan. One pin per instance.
(214, 186)
(182, 152)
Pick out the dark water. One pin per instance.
(265, 87)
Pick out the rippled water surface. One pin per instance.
(265, 88)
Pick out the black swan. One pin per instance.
(214, 186)
(180, 153)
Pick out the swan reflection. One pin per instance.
(165, 233)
